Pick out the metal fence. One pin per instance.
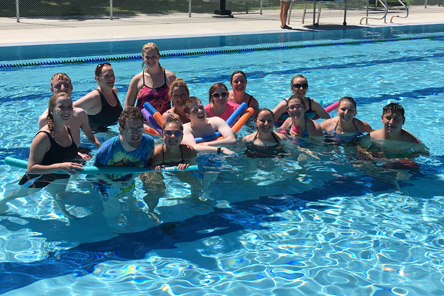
(119, 8)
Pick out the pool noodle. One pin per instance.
(152, 122)
(23, 164)
(156, 114)
(229, 121)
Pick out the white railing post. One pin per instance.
(111, 9)
(17, 10)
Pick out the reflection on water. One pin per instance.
(322, 220)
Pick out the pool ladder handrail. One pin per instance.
(406, 9)
(384, 17)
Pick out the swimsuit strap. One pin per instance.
(275, 137)
(309, 104)
(164, 79)
(143, 79)
(355, 125)
(249, 101)
(163, 155)
(53, 140)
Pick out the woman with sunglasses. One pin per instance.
(218, 102)
(173, 153)
(299, 87)
(179, 94)
(298, 126)
(238, 95)
(102, 104)
(345, 128)
(152, 84)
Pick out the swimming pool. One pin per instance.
(294, 226)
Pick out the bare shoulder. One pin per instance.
(248, 138)
(329, 124)
(170, 76)
(363, 126)
(408, 137)
(281, 136)
(188, 151)
(378, 134)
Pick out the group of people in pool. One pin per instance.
(55, 148)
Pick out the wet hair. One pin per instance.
(189, 102)
(295, 97)
(149, 45)
(349, 99)
(59, 75)
(172, 120)
(99, 68)
(178, 83)
(237, 72)
(213, 89)
(297, 76)
(393, 108)
(130, 113)
(51, 105)
(262, 110)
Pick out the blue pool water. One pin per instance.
(308, 224)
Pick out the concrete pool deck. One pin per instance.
(31, 31)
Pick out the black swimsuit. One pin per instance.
(55, 154)
(107, 116)
(171, 163)
(255, 151)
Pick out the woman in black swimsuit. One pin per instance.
(102, 105)
(172, 153)
(265, 142)
(52, 150)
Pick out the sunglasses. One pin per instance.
(99, 68)
(223, 95)
(298, 85)
(170, 133)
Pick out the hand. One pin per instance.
(84, 156)
(226, 151)
(158, 168)
(70, 167)
(182, 166)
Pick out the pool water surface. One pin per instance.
(312, 223)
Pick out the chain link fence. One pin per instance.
(121, 8)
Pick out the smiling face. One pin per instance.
(62, 109)
(296, 108)
(132, 132)
(264, 122)
(299, 86)
(346, 111)
(172, 135)
(197, 112)
(151, 57)
(393, 122)
(220, 96)
(61, 84)
(106, 78)
(239, 83)
(179, 96)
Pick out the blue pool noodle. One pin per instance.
(93, 170)
(230, 120)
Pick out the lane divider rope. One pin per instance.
(214, 51)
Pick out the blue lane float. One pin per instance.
(93, 170)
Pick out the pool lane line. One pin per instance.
(214, 51)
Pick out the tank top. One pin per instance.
(157, 97)
(107, 116)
